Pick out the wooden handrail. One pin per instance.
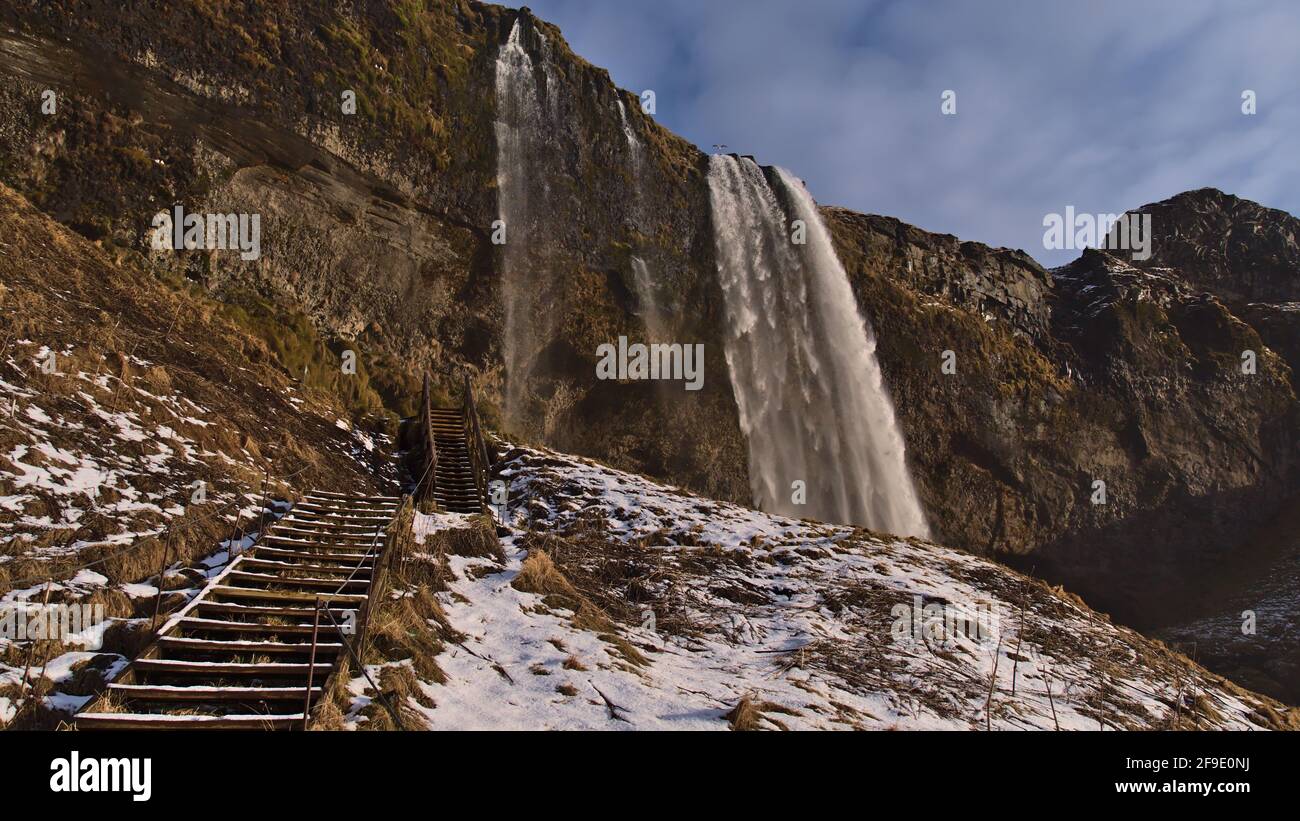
(427, 482)
(481, 463)
(383, 558)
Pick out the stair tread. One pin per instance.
(184, 665)
(234, 608)
(283, 595)
(221, 625)
(231, 722)
(203, 691)
(245, 646)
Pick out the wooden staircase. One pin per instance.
(454, 487)
(452, 461)
(251, 651)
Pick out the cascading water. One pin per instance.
(519, 116)
(633, 144)
(811, 395)
(647, 303)
(652, 315)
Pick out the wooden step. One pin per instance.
(228, 668)
(199, 692)
(337, 520)
(358, 542)
(255, 628)
(301, 567)
(361, 527)
(341, 512)
(331, 495)
(241, 578)
(219, 646)
(168, 721)
(283, 595)
(347, 559)
(327, 544)
(256, 611)
(325, 501)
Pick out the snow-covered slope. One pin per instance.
(808, 624)
(140, 426)
(125, 402)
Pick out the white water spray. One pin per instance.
(812, 399)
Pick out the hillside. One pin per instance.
(152, 435)
(620, 604)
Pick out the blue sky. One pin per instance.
(1101, 105)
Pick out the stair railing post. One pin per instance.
(31, 647)
(311, 664)
(475, 444)
(261, 518)
(429, 481)
(157, 601)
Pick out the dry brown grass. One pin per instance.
(478, 541)
(329, 711)
(750, 714)
(538, 574)
(399, 684)
(187, 539)
(412, 628)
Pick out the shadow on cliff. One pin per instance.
(1138, 570)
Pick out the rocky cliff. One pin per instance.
(1095, 372)
(378, 233)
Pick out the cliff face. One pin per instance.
(1093, 372)
(377, 229)
(1234, 248)
(141, 418)
(377, 225)
(1243, 253)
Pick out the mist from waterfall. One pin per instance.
(813, 404)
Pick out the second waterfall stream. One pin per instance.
(812, 400)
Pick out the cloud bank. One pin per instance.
(1105, 105)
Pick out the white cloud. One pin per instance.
(1101, 105)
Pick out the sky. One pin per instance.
(1103, 105)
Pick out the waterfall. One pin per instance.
(812, 399)
(519, 117)
(633, 144)
(652, 316)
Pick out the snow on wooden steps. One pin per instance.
(265, 583)
(142, 721)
